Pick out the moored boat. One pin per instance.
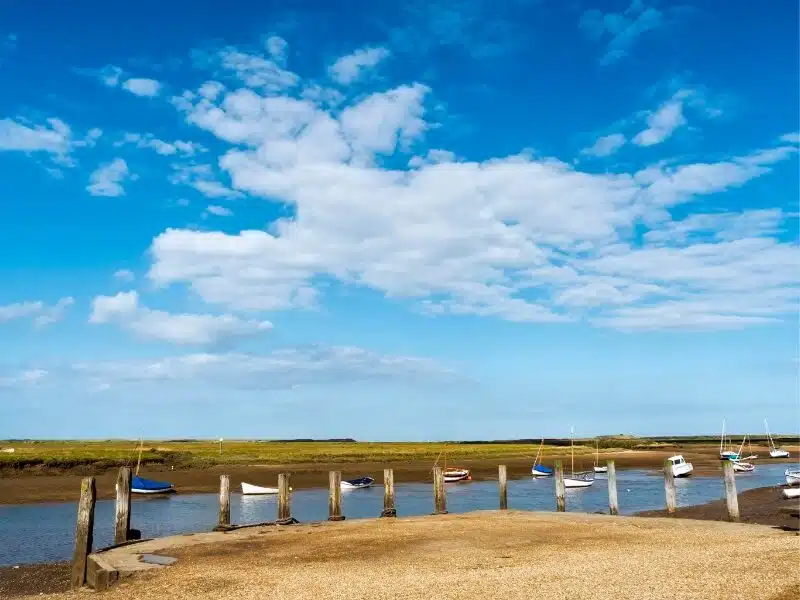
(774, 451)
(141, 485)
(743, 467)
(357, 484)
(792, 476)
(248, 489)
(598, 468)
(452, 474)
(679, 466)
(576, 480)
(538, 469)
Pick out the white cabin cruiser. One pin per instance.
(679, 466)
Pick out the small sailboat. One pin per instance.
(792, 476)
(598, 468)
(141, 485)
(679, 466)
(723, 453)
(774, 451)
(453, 474)
(248, 489)
(739, 464)
(577, 480)
(357, 484)
(538, 469)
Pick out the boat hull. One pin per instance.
(140, 485)
(577, 483)
(792, 492)
(792, 477)
(601, 469)
(742, 467)
(538, 471)
(248, 489)
(453, 475)
(357, 484)
(778, 454)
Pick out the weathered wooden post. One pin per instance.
(224, 501)
(731, 499)
(83, 532)
(669, 487)
(335, 496)
(122, 509)
(284, 500)
(388, 494)
(439, 498)
(613, 507)
(502, 477)
(561, 491)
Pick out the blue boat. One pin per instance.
(541, 471)
(357, 484)
(140, 485)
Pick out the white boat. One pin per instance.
(598, 468)
(538, 469)
(792, 492)
(357, 484)
(680, 468)
(248, 489)
(453, 474)
(576, 480)
(723, 453)
(743, 467)
(792, 476)
(774, 451)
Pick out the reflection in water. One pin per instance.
(44, 532)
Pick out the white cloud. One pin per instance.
(791, 138)
(148, 140)
(277, 47)
(37, 311)
(350, 68)
(202, 178)
(606, 145)
(219, 211)
(142, 87)
(53, 137)
(186, 329)
(662, 123)
(519, 237)
(257, 71)
(26, 378)
(124, 275)
(620, 31)
(107, 179)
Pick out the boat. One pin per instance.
(774, 451)
(452, 474)
(750, 456)
(742, 466)
(726, 454)
(141, 485)
(538, 469)
(357, 484)
(792, 492)
(597, 467)
(248, 489)
(577, 480)
(792, 476)
(679, 466)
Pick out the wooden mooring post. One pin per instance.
(335, 496)
(224, 502)
(613, 506)
(284, 500)
(83, 532)
(669, 488)
(502, 478)
(122, 508)
(439, 497)
(561, 490)
(388, 494)
(731, 499)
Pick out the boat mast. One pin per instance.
(739, 454)
(597, 453)
(139, 460)
(572, 448)
(722, 439)
(538, 453)
(769, 437)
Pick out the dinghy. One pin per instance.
(140, 485)
(680, 468)
(248, 489)
(357, 484)
(792, 492)
(774, 451)
(576, 480)
(792, 476)
(452, 474)
(598, 468)
(743, 467)
(538, 469)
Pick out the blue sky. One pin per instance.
(425, 221)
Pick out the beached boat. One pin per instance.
(357, 484)
(598, 468)
(452, 474)
(248, 489)
(740, 466)
(140, 485)
(576, 480)
(792, 476)
(538, 469)
(679, 466)
(774, 451)
(723, 453)
(792, 492)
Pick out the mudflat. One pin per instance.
(27, 486)
(510, 555)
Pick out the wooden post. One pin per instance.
(561, 491)
(613, 507)
(122, 512)
(502, 477)
(439, 497)
(731, 499)
(388, 494)
(83, 532)
(284, 499)
(335, 496)
(224, 501)
(669, 487)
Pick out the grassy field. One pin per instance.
(201, 453)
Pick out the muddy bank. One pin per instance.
(32, 580)
(23, 487)
(760, 506)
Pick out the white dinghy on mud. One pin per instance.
(248, 489)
